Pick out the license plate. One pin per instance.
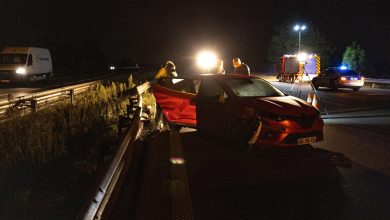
(308, 140)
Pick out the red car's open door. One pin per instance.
(176, 101)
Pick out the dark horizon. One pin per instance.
(153, 31)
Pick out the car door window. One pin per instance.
(211, 90)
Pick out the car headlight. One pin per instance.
(21, 70)
(279, 118)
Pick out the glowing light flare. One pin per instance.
(343, 78)
(302, 57)
(177, 160)
(207, 60)
(343, 67)
(300, 28)
(21, 70)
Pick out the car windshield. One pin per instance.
(252, 87)
(13, 58)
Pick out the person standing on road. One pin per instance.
(240, 68)
(219, 69)
(169, 70)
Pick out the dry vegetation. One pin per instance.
(79, 134)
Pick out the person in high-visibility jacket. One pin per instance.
(169, 70)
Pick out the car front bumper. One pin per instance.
(351, 83)
(288, 132)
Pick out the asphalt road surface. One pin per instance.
(347, 176)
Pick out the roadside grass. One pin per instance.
(62, 143)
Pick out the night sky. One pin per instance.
(152, 31)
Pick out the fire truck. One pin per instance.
(303, 67)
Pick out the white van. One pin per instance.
(25, 64)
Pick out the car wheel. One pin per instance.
(333, 85)
(240, 134)
(355, 89)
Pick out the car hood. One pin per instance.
(281, 105)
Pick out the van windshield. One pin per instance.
(14, 58)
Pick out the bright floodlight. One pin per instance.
(302, 57)
(207, 60)
(303, 27)
(296, 28)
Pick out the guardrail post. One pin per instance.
(34, 105)
(71, 96)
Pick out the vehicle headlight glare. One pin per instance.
(207, 59)
(302, 57)
(21, 70)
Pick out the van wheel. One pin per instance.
(240, 134)
(27, 81)
(47, 79)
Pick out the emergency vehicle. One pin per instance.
(297, 66)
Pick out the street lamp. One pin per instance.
(299, 29)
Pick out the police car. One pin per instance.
(339, 77)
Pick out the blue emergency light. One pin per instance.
(343, 67)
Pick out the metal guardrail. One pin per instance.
(377, 83)
(112, 181)
(34, 101)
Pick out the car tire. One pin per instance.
(240, 134)
(355, 89)
(333, 85)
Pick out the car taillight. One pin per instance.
(343, 78)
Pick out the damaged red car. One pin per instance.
(247, 110)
